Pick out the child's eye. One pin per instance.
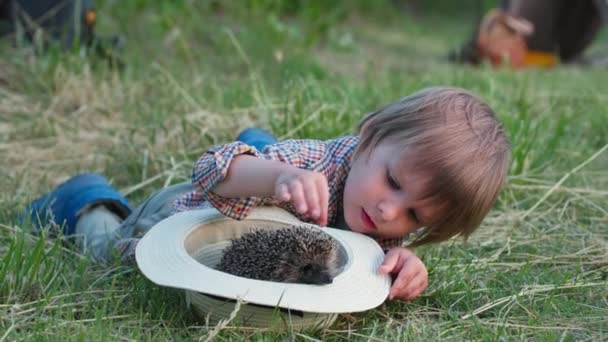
(391, 181)
(413, 215)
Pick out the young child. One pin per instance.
(432, 163)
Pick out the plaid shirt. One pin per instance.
(331, 157)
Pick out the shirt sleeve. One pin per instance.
(212, 168)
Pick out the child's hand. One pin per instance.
(411, 274)
(307, 190)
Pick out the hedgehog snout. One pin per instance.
(315, 274)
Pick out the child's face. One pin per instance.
(382, 195)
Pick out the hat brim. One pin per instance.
(168, 253)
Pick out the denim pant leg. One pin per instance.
(95, 228)
(98, 228)
(156, 208)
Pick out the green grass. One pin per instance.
(196, 74)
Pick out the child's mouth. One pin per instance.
(367, 221)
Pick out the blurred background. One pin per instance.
(137, 90)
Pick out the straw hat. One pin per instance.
(182, 251)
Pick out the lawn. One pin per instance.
(196, 73)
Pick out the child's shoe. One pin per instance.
(62, 205)
(256, 137)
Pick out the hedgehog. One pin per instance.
(292, 255)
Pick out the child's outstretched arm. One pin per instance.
(250, 176)
(411, 276)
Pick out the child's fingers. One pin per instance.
(404, 286)
(312, 199)
(282, 192)
(390, 263)
(412, 280)
(411, 290)
(404, 281)
(409, 270)
(297, 196)
(416, 287)
(323, 199)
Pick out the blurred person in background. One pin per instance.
(69, 24)
(524, 33)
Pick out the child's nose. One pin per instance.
(390, 210)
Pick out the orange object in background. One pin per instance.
(90, 17)
(540, 59)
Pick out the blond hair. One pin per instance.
(459, 140)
